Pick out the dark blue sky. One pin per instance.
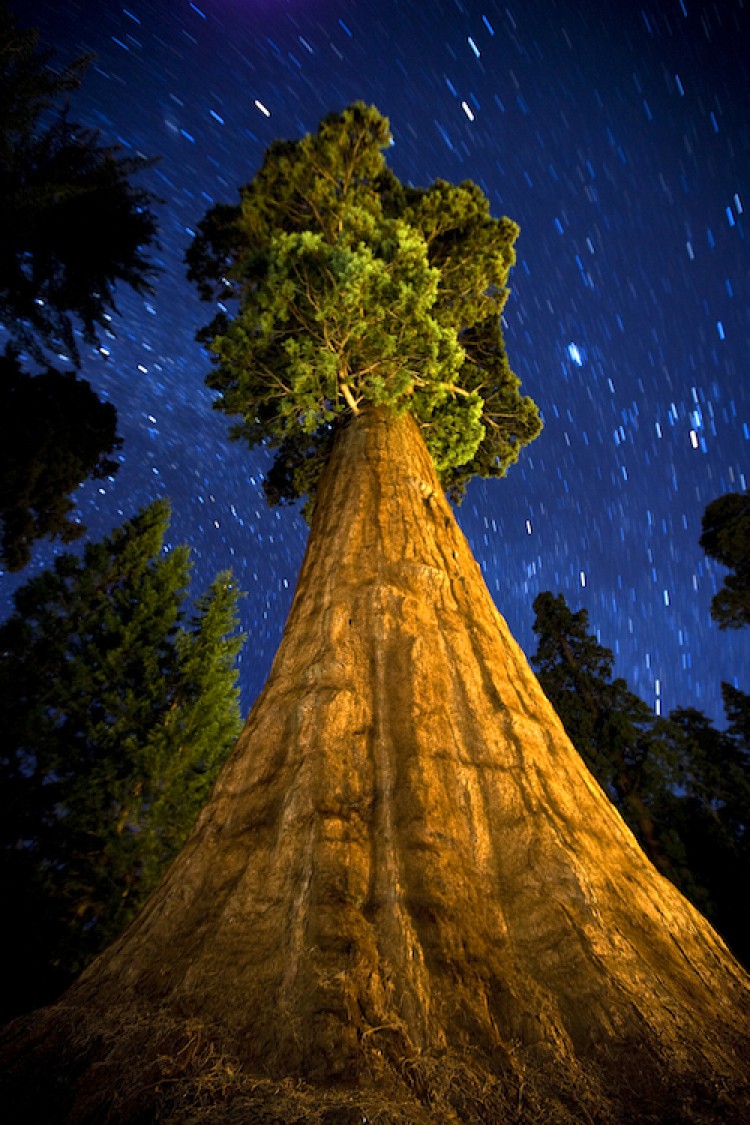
(617, 135)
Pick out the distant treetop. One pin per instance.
(338, 286)
(74, 226)
(725, 537)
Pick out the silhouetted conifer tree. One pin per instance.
(117, 712)
(74, 226)
(726, 538)
(682, 785)
(55, 433)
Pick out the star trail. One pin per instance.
(616, 135)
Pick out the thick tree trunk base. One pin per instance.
(407, 900)
(137, 1066)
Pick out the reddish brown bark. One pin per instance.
(406, 885)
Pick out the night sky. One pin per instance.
(617, 136)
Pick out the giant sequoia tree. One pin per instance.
(407, 899)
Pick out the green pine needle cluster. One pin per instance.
(339, 286)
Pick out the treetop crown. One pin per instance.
(338, 286)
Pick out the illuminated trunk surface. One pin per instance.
(406, 879)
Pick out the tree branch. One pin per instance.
(351, 402)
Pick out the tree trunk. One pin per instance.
(406, 888)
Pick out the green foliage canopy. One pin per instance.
(338, 286)
(118, 710)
